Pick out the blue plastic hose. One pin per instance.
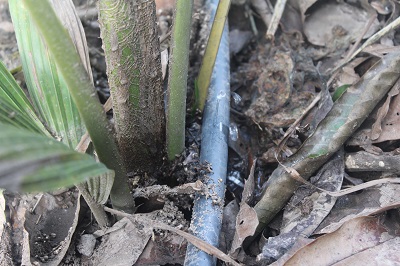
(207, 211)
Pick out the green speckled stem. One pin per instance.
(132, 50)
(177, 86)
(84, 96)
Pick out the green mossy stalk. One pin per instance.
(70, 66)
(177, 83)
(132, 50)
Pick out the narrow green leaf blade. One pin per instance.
(207, 65)
(68, 62)
(47, 87)
(33, 162)
(15, 108)
(339, 92)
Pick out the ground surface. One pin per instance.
(272, 84)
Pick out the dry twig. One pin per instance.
(276, 17)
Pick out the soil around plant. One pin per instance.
(273, 82)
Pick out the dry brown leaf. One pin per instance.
(391, 123)
(307, 202)
(118, 247)
(334, 20)
(301, 242)
(291, 18)
(5, 243)
(306, 210)
(302, 6)
(379, 50)
(383, 111)
(387, 253)
(369, 201)
(246, 220)
(228, 225)
(238, 39)
(347, 74)
(43, 225)
(354, 237)
(246, 224)
(169, 250)
(248, 190)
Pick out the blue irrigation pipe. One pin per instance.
(207, 210)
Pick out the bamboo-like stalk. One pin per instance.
(70, 66)
(132, 51)
(210, 55)
(177, 82)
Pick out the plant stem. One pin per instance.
(210, 55)
(70, 66)
(97, 209)
(177, 82)
(132, 50)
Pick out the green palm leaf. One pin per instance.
(47, 87)
(33, 162)
(15, 108)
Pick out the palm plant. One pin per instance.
(63, 105)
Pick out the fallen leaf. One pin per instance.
(355, 205)
(123, 246)
(383, 111)
(249, 185)
(5, 243)
(246, 219)
(306, 210)
(228, 225)
(353, 238)
(50, 223)
(333, 21)
(246, 224)
(238, 40)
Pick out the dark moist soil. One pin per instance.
(266, 99)
(252, 141)
(45, 240)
